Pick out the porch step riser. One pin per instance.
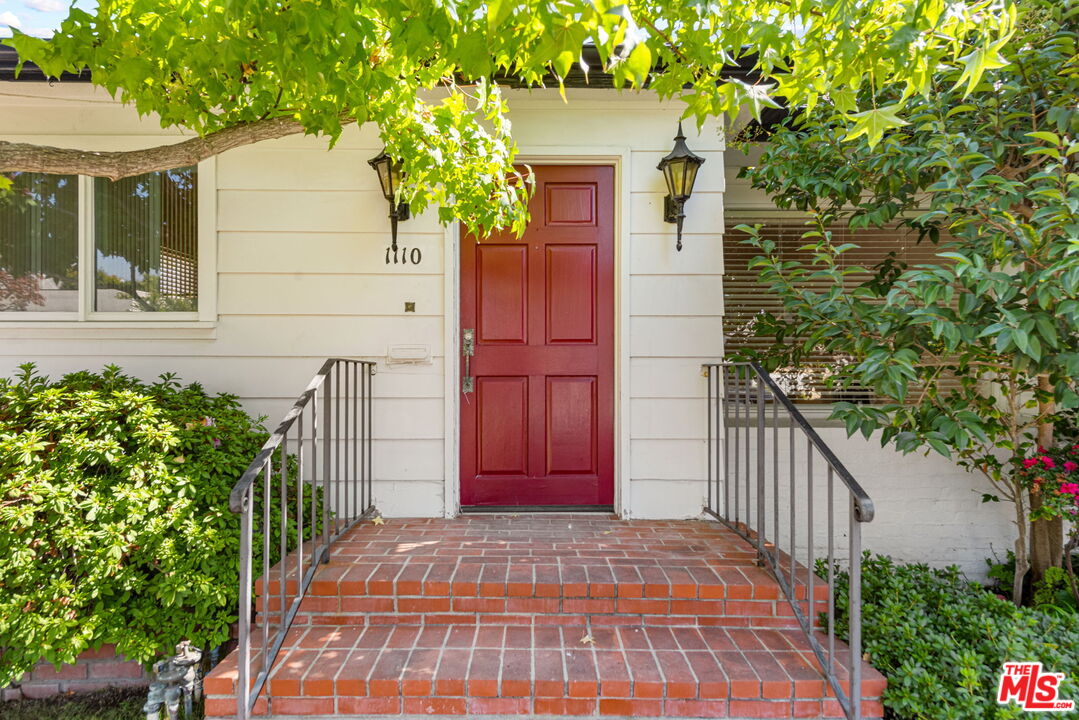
(286, 708)
(547, 620)
(540, 611)
(627, 608)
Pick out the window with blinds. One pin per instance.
(139, 251)
(146, 243)
(39, 244)
(746, 299)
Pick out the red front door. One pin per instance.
(538, 426)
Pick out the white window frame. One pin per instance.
(86, 316)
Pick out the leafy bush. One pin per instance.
(942, 641)
(114, 519)
(1054, 593)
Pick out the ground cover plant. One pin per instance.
(114, 704)
(942, 641)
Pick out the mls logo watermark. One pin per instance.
(1033, 690)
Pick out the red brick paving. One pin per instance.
(564, 615)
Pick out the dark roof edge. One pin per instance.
(9, 60)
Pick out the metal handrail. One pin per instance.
(341, 433)
(739, 394)
(862, 501)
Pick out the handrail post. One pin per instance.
(327, 394)
(243, 680)
(854, 596)
(760, 474)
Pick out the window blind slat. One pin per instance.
(745, 297)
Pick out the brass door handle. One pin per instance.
(467, 350)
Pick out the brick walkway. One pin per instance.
(556, 615)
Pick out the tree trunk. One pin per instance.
(1022, 552)
(1046, 536)
(1069, 549)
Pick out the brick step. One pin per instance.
(534, 591)
(629, 671)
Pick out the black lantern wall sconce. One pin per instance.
(390, 176)
(679, 169)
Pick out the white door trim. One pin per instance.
(619, 157)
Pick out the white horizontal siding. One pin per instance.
(666, 377)
(651, 255)
(310, 210)
(321, 294)
(740, 196)
(676, 295)
(326, 253)
(672, 337)
(703, 221)
(252, 336)
(253, 377)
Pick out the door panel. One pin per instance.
(571, 294)
(502, 293)
(572, 429)
(538, 429)
(570, 203)
(502, 427)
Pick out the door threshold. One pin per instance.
(469, 509)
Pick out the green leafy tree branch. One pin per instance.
(427, 72)
(993, 183)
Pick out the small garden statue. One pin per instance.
(179, 681)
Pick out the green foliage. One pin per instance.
(1001, 574)
(942, 641)
(113, 704)
(423, 71)
(114, 519)
(992, 181)
(1053, 592)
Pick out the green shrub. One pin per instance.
(942, 641)
(114, 519)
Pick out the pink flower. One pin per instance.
(1069, 489)
(1047, 462)
(1029, 463)
(1069, 466)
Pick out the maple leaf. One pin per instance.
(873, 123)
(377, 520)
(588, 640)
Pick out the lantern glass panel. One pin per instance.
(385, 179)
(395, 179)
(674, 173)
(689, 176)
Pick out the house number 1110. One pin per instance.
(404, 256)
